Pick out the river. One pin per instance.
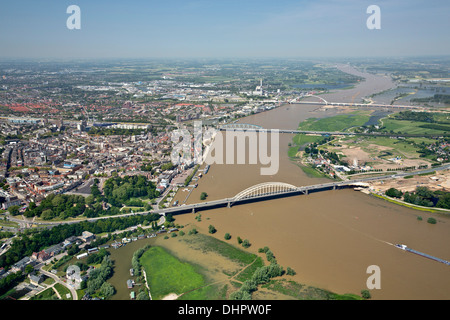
(329, 238)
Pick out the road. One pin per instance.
(58, 280)
(338, 133)
(211, 204)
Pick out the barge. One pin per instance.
(405, 248)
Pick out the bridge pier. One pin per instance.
(193, 210)
(229, 204)
(306, 192)
(334, 187)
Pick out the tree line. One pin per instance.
(118, 191)
(422, 196)
(37, 241)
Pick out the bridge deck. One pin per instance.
(262, 197)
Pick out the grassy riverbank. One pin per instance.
(336, 123)
(412, 206)
(207, 268)
(166, 274)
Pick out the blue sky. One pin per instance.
(225, 28)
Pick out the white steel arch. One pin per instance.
(266, 188)
(320, 98)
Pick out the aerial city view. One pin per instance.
(224, 150)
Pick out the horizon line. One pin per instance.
(225, 57)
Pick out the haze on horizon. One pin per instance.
(223, 29)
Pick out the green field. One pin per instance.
(292, 152)
(414, 127)
(302, 139)
(336, 123)
(304, 292)
(166, 274)
(400, 147)
(63, 291)
(311, 172)
(211, 244)
(48, 294)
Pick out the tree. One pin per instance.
(424, 192)
(246, 243)
(431, 220)
(394, 193)
(107, 290)
(32, 205)
(227, 236)
(203, 196)
(240, 295)
(29, 269)
(444, 201)
(90, 200)
(47, 214)
(263, 250)
(142, 296)
(270, 256)
(13, 210)
(212, 229)
(58, 201)
(239, 240)
(95, 191)
(167, 166)
(290, 271)
(365, 294)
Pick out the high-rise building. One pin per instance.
(82, 125)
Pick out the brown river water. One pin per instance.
(329, 238)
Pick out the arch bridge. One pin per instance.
(263, 190)
(310, 95)
(240, 126)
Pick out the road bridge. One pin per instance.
(239, 126)
(323, 102)
(338, 133)
(260, 192)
